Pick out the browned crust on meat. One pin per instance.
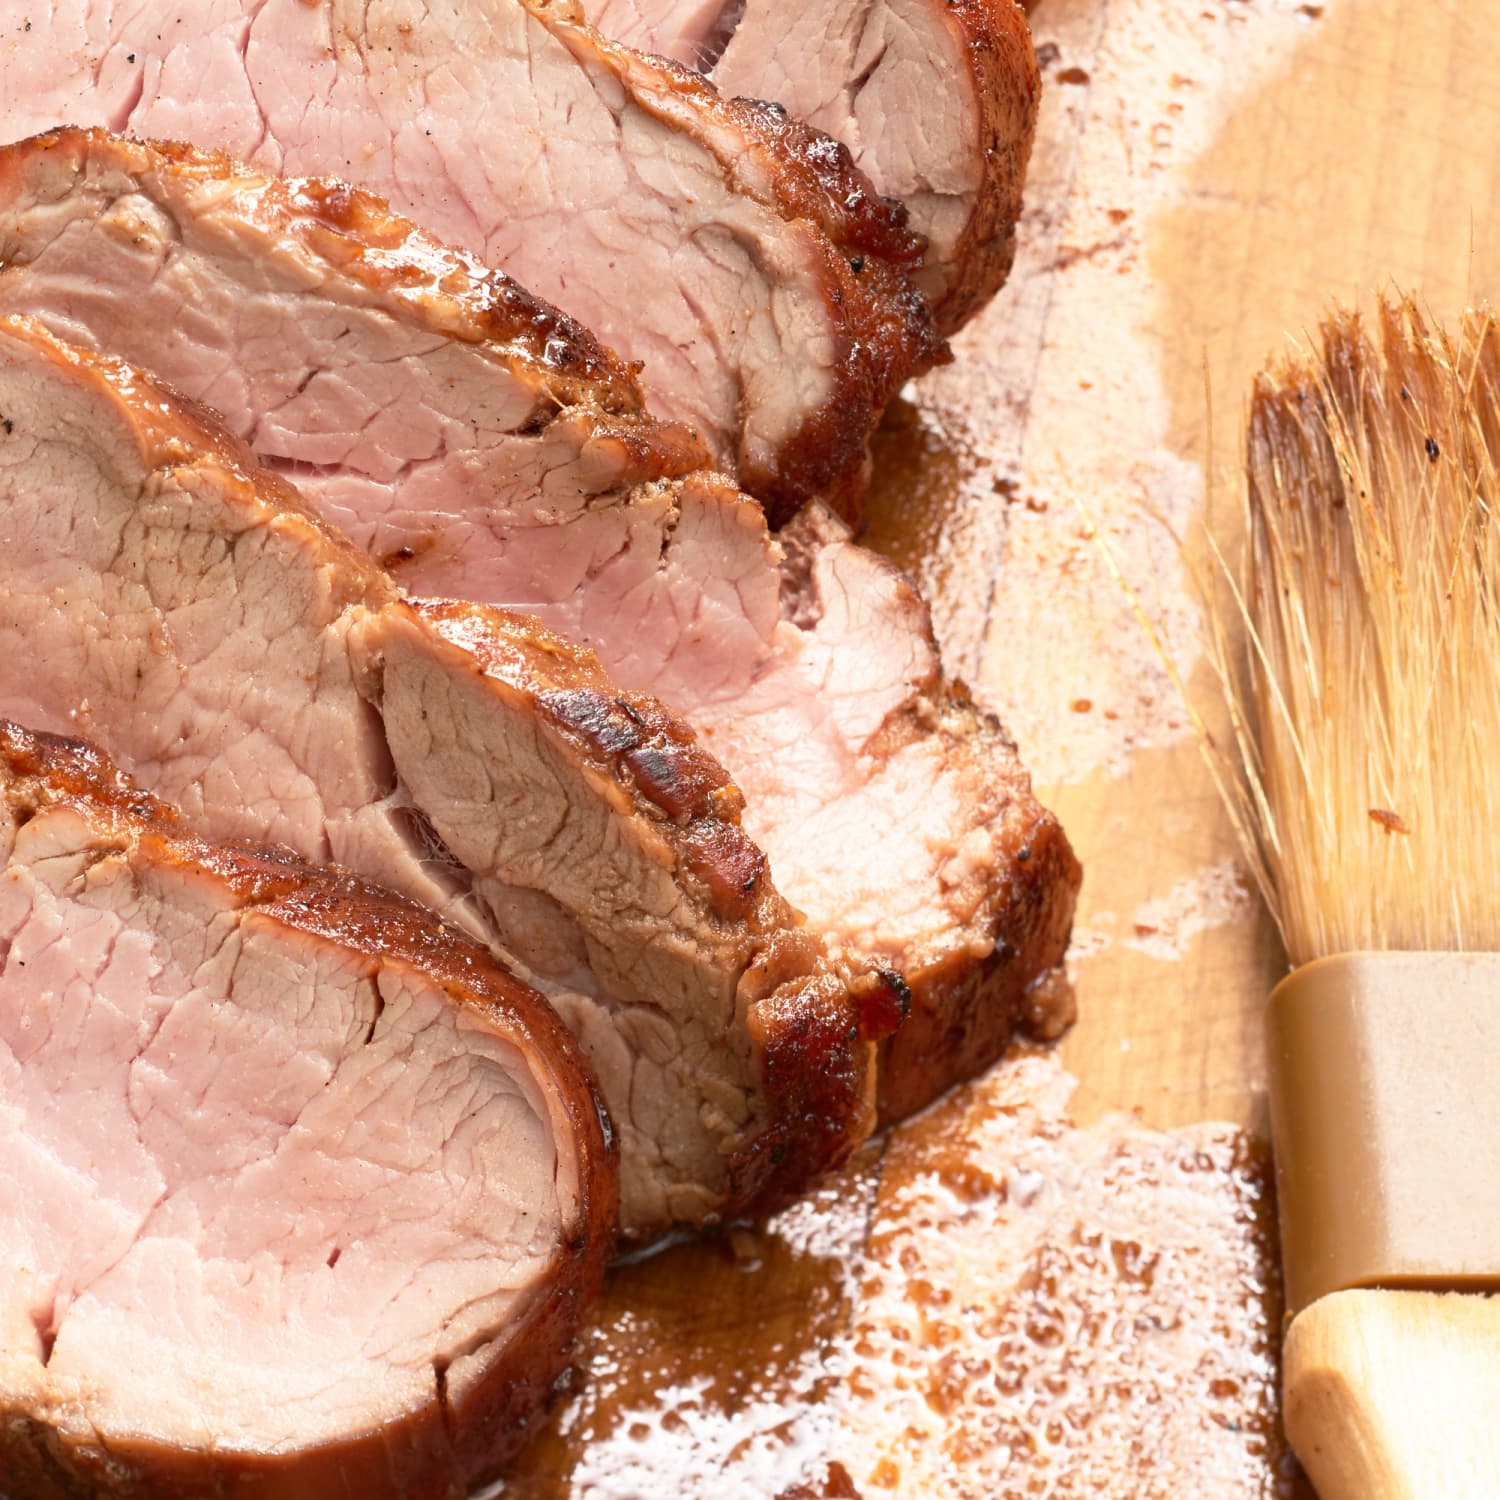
(998, 967)
(1007, 84)
(998, 972)
(650, 755)
(441, 1448)
(806, 1036)
(397, 268)
(812, 1026)
(995, 40)
(638, 743)
(827, 458)
(886, 332)
(819, 180)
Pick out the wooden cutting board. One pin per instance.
(1025, 1293)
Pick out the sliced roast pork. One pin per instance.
(924, 847)
(352, 353)
(250, 666)
(739, 256)
(936, 99)
(300, 1194)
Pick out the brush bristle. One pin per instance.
(1367, 707)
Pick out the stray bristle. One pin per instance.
(1366, 707)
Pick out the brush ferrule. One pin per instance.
(1385, 1108)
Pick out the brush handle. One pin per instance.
(1396, 1395)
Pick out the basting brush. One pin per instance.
(1366, 714)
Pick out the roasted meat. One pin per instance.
(300, 1194)
(362, 358)
(936, 99)
(253, 668)
(738, 255)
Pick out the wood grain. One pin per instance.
(1392, 1395)
(1209, 174)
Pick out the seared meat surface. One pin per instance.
(358, 359)
(739, 256)
(433, 409)
(238, 1094)
(923, 847)
(249, 665)
(936, 99)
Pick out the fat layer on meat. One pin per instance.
(249, 665)
(741, 258)
(298, 1191)
(936, 100)
(895, 814)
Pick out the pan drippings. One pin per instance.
(1017, 1306)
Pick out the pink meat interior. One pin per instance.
(255, 1189)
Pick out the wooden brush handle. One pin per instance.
(1396, 1395)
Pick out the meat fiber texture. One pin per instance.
(417, 399)
(251, 667)
(300, 1194)
(935, 99)
(739, 256)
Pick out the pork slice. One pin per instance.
(417, 396)
(894, 813)
(299, 1192)
(936, 99)
(901, 818)
(249, 665)
(744, 261)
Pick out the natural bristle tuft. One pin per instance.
(1367, 704)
